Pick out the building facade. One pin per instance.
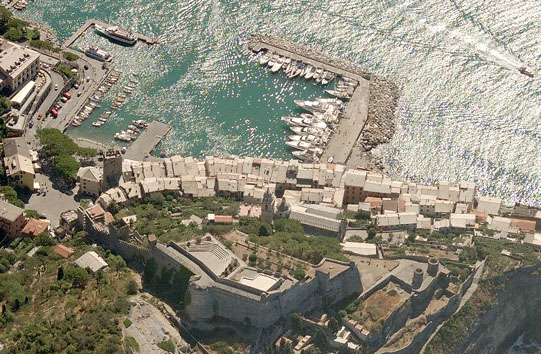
(18, 65)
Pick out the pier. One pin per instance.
(147, 141)
(355, 114)
(92, 22)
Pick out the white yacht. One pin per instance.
(99, 54)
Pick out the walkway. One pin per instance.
(147, 141)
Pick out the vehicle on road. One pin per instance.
(78, 94)
(87, 78)
(40, 116)
(76, 86)
(55, 87)
(67, 95)
(64, 99)
(54, 112)
(31, 123)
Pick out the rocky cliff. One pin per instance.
(501, 310)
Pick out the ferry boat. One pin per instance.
(118, 34)
(99, 54)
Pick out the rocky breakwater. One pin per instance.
(380, 123)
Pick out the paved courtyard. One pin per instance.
(54, 202)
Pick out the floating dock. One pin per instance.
(92, 22)
(147, 141)
(355, 114)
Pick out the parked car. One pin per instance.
(31, 123)
(76, 86)
(56, 87)
(40, 116)
(64, 99)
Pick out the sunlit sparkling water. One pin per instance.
(465, 112)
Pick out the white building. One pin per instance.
(489, 205)
(18, 65)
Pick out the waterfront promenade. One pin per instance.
(92, 22)
(147, 141)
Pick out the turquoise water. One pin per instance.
(465, 112)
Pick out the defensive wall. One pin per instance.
(212, 296)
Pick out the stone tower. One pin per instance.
(112, 169)
(268, 205)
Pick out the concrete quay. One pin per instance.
(351, 126)
(147, 141)
(92, 22)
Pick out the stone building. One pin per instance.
(112, 169)
(12, 219)
(18, 65)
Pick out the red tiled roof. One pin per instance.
(223, 219)
(35, 227)
(63, 251)
(524, 225)
(96, 211)
(109, 218)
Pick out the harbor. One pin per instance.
(147, 141)
(334, 127)
(93, 22)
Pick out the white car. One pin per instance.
(55, 87)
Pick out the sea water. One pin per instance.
(465, 112)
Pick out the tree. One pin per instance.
(100, 276)
(66, 166)
(113, 207)
(296, 322)
(44, 239)
(70, 56)
(150, 270)
(320, 339)
(78, 276)
(14, 34)
(117, 263)
(5, 104)
(298, 273)
(16, 305)
(5, 15)
(132, 287)
(252, 259)
(60, 273)
(30, 213)
(372, 231)
(333, 325)
(265, 230)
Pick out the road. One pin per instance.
(89, 81)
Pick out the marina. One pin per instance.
(344, 121)
(147, 141)
(94, 23)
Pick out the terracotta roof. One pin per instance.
(223, 219)
(96, 211)
(109, 218)
(374, 202)
(482, 217)
(35, 227)
(524, 225)
(63, 251)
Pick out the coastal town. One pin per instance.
(323, 253)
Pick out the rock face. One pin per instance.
(516, 311)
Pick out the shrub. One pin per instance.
(132, 343)
(36, 43)
(131, 288)
(70, 56)
(127, 323)
(167, 345)
(14, 34)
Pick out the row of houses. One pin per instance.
(313, 193)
